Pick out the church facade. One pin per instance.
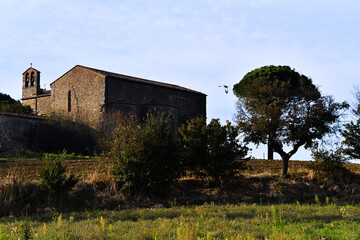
(88, 93)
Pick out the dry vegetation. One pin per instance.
(196, 209)
(20, 190)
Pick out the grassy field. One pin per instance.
(255, 205)
(206, 221)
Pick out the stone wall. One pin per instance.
(139, 98)
(31, 102)
(20, 131)
(40, 105)
(84, 94)
(43, 105)
(87, 90)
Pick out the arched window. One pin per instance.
(32, 81)
(27, 80)
(69, 101)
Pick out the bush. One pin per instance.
(329, 164)
(351, 133)
(211, 150)
(145, 154)
(106, 129)
(53, 176)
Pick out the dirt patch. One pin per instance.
(29, 169)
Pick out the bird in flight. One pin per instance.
(225, 87)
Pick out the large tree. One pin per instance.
(273, 75)
(282, 108)
(352, 132)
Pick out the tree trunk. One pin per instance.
(270, 151)
(285, 166)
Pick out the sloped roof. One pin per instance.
(32, 69)
(136, 79)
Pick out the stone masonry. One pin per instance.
(85, 93)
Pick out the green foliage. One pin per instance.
(352, 139)
(106, 129)
(352, 133)
(284, 110)
(145, 154)
(329, 164)
(26, 155)
(26, 230)
(240, 221)
(8, 104)
(61, 155)
(211, 150)
(53, 176)
(275, 76)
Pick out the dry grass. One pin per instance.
(21, 193)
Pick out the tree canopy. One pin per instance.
(281, 107)
(275, 76)
(286, 83)
(352, 133)
(8, 104)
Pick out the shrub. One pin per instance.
(106, 129)
(211, 150)
(351, 133)
(53, 176)
(145, 154)
(26, 230)
(329, 164)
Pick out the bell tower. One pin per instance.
(31, 83)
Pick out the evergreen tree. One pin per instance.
(279, 107)
(352, 133)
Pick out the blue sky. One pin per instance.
(197, 44)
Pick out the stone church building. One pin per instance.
(88, 93)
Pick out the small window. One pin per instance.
(32, 81)
(69, 101)
(27, 80)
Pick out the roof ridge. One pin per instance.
(143, 80)
(31, 68)
(132, 78)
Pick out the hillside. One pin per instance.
(20, 189)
